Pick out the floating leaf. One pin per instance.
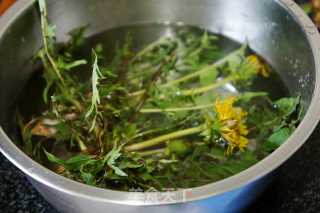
(248, 96)
(287, 105)
(111, 158)
(88, 178)
(209, 77)
(54, 159)
(277, 139)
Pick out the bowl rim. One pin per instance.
(64, 185)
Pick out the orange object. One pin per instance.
(5, 4)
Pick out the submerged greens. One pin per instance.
(161, 117)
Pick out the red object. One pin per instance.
(5, 4)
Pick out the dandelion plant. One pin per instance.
(157, 117)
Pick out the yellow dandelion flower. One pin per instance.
(235, 141)
(224, 109)
(240, 115)
(243, 130)
(233, 128)
(262, 68)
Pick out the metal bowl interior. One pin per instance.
(277, 30)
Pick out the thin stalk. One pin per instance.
(44, 25)
(81, 144)
(148, 48)
(61, 86)
(142, 72)
(193, 108)
(201, 90)
(161, 139)
(203, 70)
(197, 73)
(205, 89)
(152, 81)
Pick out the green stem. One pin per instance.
(205, 89)
(149, 48)
(61, 87)
(161, 139)
(204, 70)
(193, 108)
(197, 73)
(81, 144)
(152, 81)
(44, 26)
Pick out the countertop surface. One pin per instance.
(295, 189)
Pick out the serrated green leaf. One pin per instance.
(287, 105)
(88, 178)
(54, 159)
(118, 171)
(280, 136)
(208, 78)
(74, 163)
(77, 161)
(277, 139)
(235, 60)
(77, 39)
(124, 164)
(111, 158)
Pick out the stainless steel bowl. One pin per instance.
(277, 30)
